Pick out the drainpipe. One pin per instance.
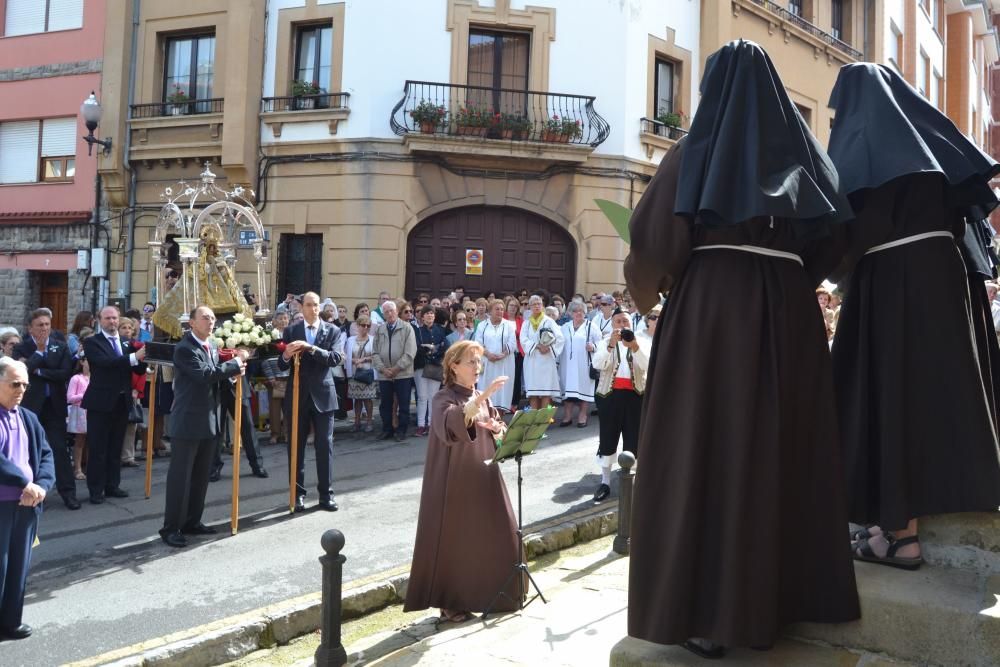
(127, 286)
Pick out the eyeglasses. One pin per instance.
(407, 311)
(652, 318)
(17, 386)
(363, 326)
(148, 309)
(524, 303)
(470, 310)
(422, 301)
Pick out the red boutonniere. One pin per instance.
(280, 345)
(136, 344)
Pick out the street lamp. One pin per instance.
(91, 112)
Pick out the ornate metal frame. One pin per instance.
(189, 208)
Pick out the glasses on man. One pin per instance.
(148, 309)
(652, 318)
(17, 386)
(363, 326)
(422, 301)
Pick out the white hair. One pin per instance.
(389, 305)
(6, 363)
(552, 312)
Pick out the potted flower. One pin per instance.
(672, 120)
(561, 130)
(428, 116)
(514, 126)
(474, 121)
(178, 101)
(304, 93)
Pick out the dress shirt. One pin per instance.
(311, 330)
(116, 344)
(14, 446)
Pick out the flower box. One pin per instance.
(304, 103)
(471, 130)
(555, 137)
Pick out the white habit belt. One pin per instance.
(908, 239)
(757, 250)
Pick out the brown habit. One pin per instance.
(466, 542)
(739, 520)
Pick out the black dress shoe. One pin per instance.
(174, 539)
(400, 437)
(116, 492)
(705, 648)
(260, 472)
(328, 504)
(603, 491)
(300, 504)
(22, 631)
(71, 502)
(96, 499)
(384, 436)
(200, 529)
(215, 475)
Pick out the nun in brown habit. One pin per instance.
(739, 521)
(916, 413)
(466, 542)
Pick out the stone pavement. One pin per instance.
(585, 619)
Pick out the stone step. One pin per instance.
(936, 615)
(631, 652)
(970, 541)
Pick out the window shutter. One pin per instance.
(65, 14)
(19, 152)
(58, 136)
(24, 17)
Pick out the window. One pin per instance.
(934, 88)
(189, 69)
(837, 18)
(32, 150)
(926, 4)
(795, 7)
(313, 54)
(923, 68)
(26, 17)
(664, 87)
(806, 114)
(300, 266)
(935, 14)
(894, 45)
(499, 60)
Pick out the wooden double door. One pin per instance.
(519, 250)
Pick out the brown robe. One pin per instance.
(739, 522)
(466, 541)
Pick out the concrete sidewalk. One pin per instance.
(584, 619)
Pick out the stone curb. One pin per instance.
(237, 636)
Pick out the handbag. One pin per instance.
(433, 371)
(595, 374)
(364, 375)
(135, 415)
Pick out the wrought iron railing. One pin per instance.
(810, 28)
(156, 109)
(305, 102)
(498, 113)
(650, 126)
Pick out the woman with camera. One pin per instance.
(622, 358)
(542, 342)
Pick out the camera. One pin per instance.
(627, 335)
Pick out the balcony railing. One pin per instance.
(305, 102)
(157, 109)
(498, 113)
(650, 126)
(810, 28)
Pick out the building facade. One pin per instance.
(51, 55)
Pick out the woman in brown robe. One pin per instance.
(739, 522)
(466, 541)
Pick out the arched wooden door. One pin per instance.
(519, 250)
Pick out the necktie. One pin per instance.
(208, 350)
(312, 334)
(117, 346)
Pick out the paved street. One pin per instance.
(101, 578)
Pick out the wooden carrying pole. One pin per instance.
(294, 444)
(150, 428)
(234, 515)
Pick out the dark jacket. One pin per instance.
(316, 365)
(110, 375)
(39, 457)
(53, 370)
(197, 395)
(435, 335)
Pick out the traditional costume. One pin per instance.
(736, 441)
(498, 339)
(575, 360)
(541, 374)
(918, 433)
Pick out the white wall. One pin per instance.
(600, 50)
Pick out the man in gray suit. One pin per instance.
(321, 347)
(194, 426)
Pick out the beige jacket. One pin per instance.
(607, 362)
(398, 352)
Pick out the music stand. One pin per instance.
(522, 437)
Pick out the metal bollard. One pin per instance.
(626, 460)
(331, 652)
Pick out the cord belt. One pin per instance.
(908, 239)
(757, 250)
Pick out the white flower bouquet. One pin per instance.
(241, 331)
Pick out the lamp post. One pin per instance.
(91, 112)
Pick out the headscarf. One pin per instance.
(884, 129)
(749, 153)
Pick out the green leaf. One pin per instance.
(618, 215)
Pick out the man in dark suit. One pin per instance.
(50, 365)
(26, 475)
(321, 348)
(248, 441)
(194, 426)
(112, 362)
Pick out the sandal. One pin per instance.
(79, 475)
(455, 617)
(865, 533)
(862, 551)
